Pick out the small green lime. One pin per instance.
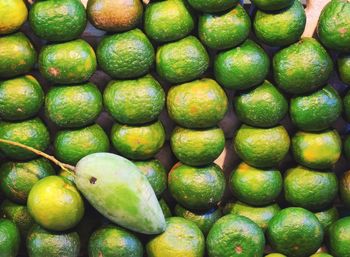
(197, 188)
(66, 22)
(222, 31)
(112, 241)
(211, 6)
(197, 147)
(20, 98)
(272, 5)
(125, 55)
(255, 186)
(321, 255)
(18, 178)
(339, 238)
(295, 232)
(182, 61)
(31, 132)
(134, 101)
(204, 220)
(263, 106)
(346, 103)
(343, 62)
(261, 147)
(280, 28)
(55, 203)
(165, 208)
(275, 255)
(168, 20)
(242, 67)
(9, 238)
(13, 13)
(72, 145)
(235, 235)
(318, 150)
(155, 173)
(181, 238)
(310, 189)
(73, 106)
(197, 104)
(344, 186)
(138, 142)
(316, 111)
(327, 217)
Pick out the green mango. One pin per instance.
(119, 191)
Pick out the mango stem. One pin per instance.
(63, 166)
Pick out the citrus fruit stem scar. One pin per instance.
(63, 166)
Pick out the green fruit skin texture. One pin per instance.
(14, 14)
(73, 106)
(197, 188)
(295, 232)
(346, 103)
(125, 55)
(235, 235)
(316, 111)
(19, 215)
(197, 147)
(256, 187)
(55, 204)
(197, 104)
(260, 215)
(347, 147)
(155, 173)
(263, 106)
(272, 5)
(112, 185)
(72, 145)
(18, 178)
(344, 68)
(275, 255)
(31, 132)
(226, 30)
(290, 64)
(242, 67)
(334, 25)
(112, 241)
(327, 217)
(165, 208)
(134, 101)
(66, 23)
(17, 55)
(168, 20)
(138, 142)
(261, 147)
(182, 61)
(67, 63)
(319, 150)
(41, 242)
(204, 220)
(9, 238)
(181, 238)
(344, 186)
(282, 28)
(20, 98)
(211, 6)
(310, 189)
(339, 237)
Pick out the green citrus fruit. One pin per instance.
(182, 61)
(181, 238)
(165, 208)
(327, 217)
(242, 67)
(344, 186)
(343, 62)
(73, 106)
(20, 98)
(9, 238)
(197, 147)
(227, 30)
(339, 238)
(261, 147)
(13, 13)
(263, 106)
(197, 104)
(18, 178)
(235, 235)
(317, 150)
(197, 188)
(72, 145)
(134, 101)
(138, 142)
(272, 5)
(31, 132)
(295, 232)
(255, 186)
(346, 103)
(125, 55)
(210, 6)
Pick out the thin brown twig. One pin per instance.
(63, 166)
